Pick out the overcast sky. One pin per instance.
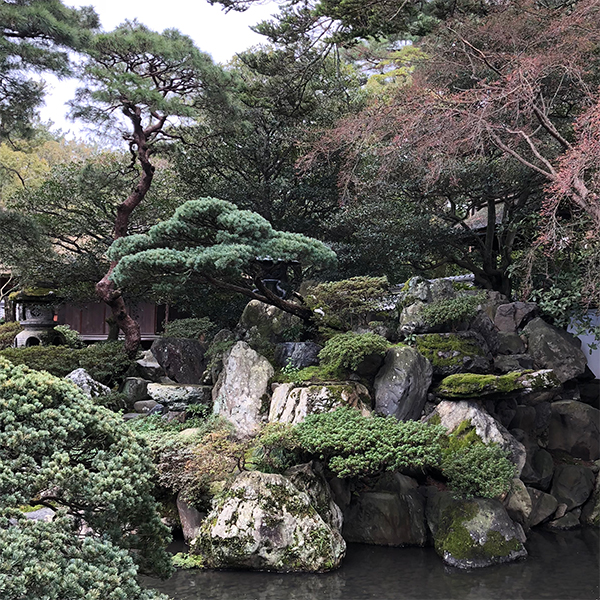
(217, 33)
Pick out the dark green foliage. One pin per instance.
(353, 445)
(8, 331)
(48, 561)
(452, 311)
(474, 468)
(105, 362)
(347, 350)
(35, 36)
(211, 242)
(194, 328)
(59, 449)
(349, 302)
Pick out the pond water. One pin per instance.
(560, 565)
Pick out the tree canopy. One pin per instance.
(212, 242)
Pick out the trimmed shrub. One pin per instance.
(452, 311)
(347, 350)
(59, 449)
(8, 331)
(193, 328)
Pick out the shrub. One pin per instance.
(106, 362)
(59, 449)
(193, 328)
(452, 311)
(347, 350)
(349, 302)
(474, 468)
(70, 336)
(354, 445)
(8, 331)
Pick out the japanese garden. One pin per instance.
(317, 322)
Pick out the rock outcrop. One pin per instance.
(263, 522)
(402, 383)
(240, 394)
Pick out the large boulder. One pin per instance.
(190, 518)
(184, 360)
(178, 397)
(135, 389)
(482, 325)
(292, 404)
(240, 394)
(543, 506)
(473, 385)
(572, 485)
(511, 317)
(309, 478)
(402, 383)
(263, 522)
(452, 414)
(297, 354)
(575, 428)
(147, 368)
(473, 533)
(590, 515)
(266, 323)
(87, 384)
(555, 349)
(392, 513)
(518, 503)
(449, 353)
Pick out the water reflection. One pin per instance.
(561, 565)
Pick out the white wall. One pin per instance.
(586, 340)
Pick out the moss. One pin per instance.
(447, 350)
(319, 374)
(471, 385)
(183, 560)
(455, 539)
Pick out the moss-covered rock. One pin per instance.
(473, 533)
(473, 385)
(451, 353)
(263, 522)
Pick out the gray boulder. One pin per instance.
(292, 404)
(575, 428)
(452, 414)
(263, 522)
(147, 368)
(144, 406)
(507, 363)
(190, 518)
(473, 533)
(449, 353)
(518, 503)
(482, 325)
(297, 354)
(178, 397)
(135, 388)
(572, 485)
(309, 478)
(539, 469)
(543, 506)
(89, 386)
(555, 349)
(240, 394)
(510, 342)
(261, 321)
(511, 317)
(590, 515)
(392, 514)
(402, 383)
(183, 359)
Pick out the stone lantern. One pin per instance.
(35, 312)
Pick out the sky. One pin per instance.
(219, 34)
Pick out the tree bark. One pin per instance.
(105, 288)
